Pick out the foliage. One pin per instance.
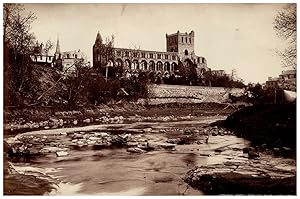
(256, 94)
(91, 87)
(18, 44)
(16, 28)
(285, 25)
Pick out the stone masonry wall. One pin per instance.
(191, 94)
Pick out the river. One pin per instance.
(114, 171)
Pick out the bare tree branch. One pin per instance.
(285, 25)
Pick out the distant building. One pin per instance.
(179, 47)
(287, 80)
(67, 61)
(40, 56)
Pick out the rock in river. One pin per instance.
(147, 130)
(52, 149)
(132, 144)
(61, 153)
(135, 150)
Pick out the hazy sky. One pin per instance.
(230, 36)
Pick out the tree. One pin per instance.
(49, 45)
(16, 29)
(255, 93)
(285, 25)
(18, 45)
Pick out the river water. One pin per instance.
(114, 171)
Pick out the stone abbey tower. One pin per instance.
(179, 47)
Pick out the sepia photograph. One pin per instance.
(149, 99)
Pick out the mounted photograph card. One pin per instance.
(158, 99)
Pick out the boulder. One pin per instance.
(61, 153)
(80, 143)
(199, 142)
(52, 149)
(75, 122)
(187, 132)
(196, 131)
(162, 131)
(102, 134)
(91, 142)
(253, 154)
(93, 138)
(276, 151)
(61, 122)
(132, 144)
(247, 149)
(135, 150)
(77, 135)
(214, 133)
(286, 152)
(263, 147)
(173, 140)
(127, 136)
(205, 154)
(220, 150)
(147, 130)
(233, 183)
(87, 120)
(166, 145)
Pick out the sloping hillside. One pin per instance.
(45, 87)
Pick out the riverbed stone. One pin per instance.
(80, 143)
(199, 142)
(87, 120)
(173, 140)
(103, 134)
(91, 142)
(253, 154)
(75, 122)
(147, 130)
(162, 131)
(132, 144)
(135, 150)
(61, 122)
(94, 138)
(52, 149)
(214, 133)
(61, 153)
(77, 136)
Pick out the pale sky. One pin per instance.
(230, 36)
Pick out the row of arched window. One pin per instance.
(143, 65)
(146, 55)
